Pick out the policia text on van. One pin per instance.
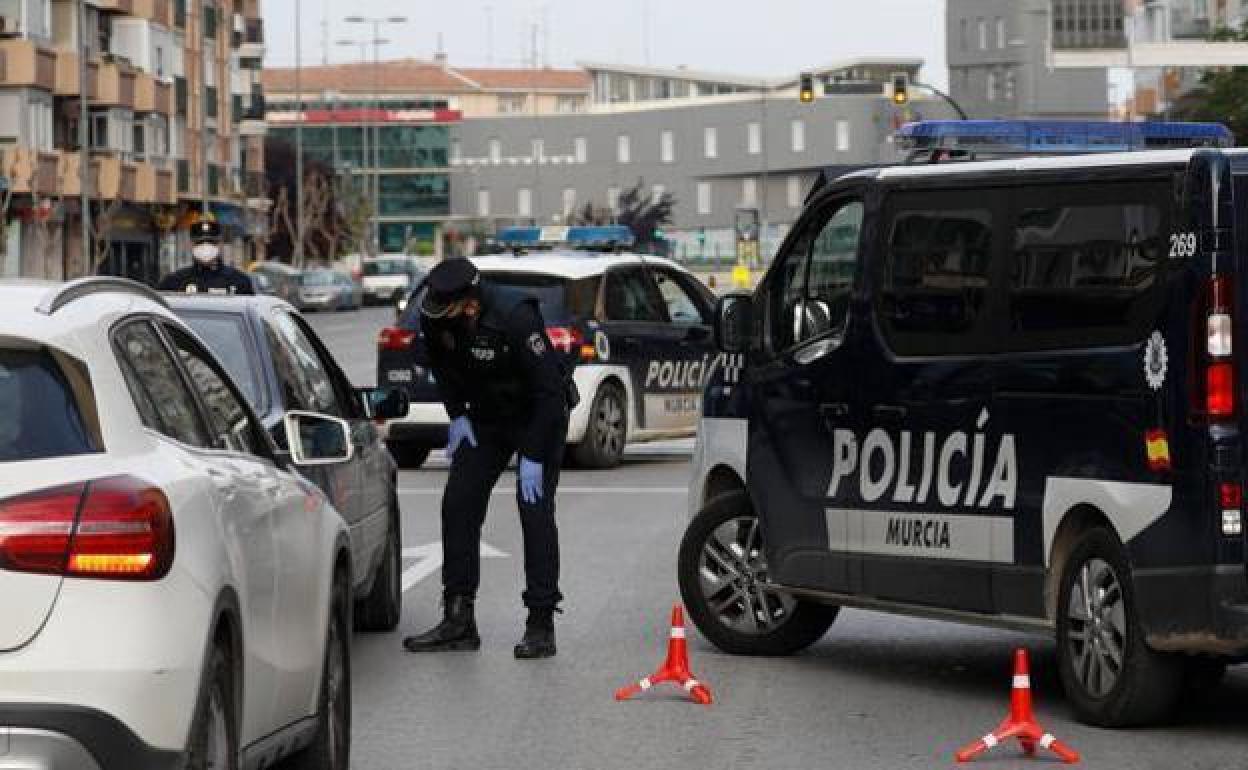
(1006, 393)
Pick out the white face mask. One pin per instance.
(206, 253)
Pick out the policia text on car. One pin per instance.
(507, 391)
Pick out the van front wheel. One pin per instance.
(1111, 676)
(724, 582)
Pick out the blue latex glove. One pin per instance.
(530, 480)
(459, 431)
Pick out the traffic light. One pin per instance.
(901, 89)
(806, 88)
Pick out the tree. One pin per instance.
(1222, 96)
(327, 229)
(644, 214)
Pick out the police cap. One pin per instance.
(205, 230)
(449, 281)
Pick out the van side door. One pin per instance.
(930, 528)
(801, 388)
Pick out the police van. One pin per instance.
(1006, 393)
(636, 328)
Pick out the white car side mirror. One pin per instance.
(317, 439)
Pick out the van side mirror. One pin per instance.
(387, 404)
(734, 322)
(317, 439)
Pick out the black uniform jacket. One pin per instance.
(504, 371)
(198, 279)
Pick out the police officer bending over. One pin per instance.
(208, 274)
(506, 392)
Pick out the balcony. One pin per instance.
(166, 190)
(253, 127)
(252, 45)
(163, 13)
(67, 75)
(144, 182)
(22, 63)
(164, 97)
(115, 86)
(116, 6)
(151, 95)
(114, 179)
(67, 169)
(251, 9)
(145, 9)
(32, 171)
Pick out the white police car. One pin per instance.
(636, 327)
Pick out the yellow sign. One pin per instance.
(741, 277)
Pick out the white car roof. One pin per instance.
(567, 264)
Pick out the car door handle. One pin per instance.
(890, 412)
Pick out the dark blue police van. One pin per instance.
(1005, 393)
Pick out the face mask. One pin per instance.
(206, 253)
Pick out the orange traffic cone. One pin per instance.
(1021, 723)
(675, 669)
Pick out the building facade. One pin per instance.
(175, 127)
(998, 54)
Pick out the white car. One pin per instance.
(636, 329)
(388, 279)
(172, 592)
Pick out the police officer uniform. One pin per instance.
(211, 275)
(506, 391)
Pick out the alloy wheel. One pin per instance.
(1097, 627)
(609, 424)
(218, 744)
(733, 577)
(337, 701)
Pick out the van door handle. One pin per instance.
(890, 412)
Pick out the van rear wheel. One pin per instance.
(1111, 676)
(723, 577)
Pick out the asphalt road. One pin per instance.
(877, 692)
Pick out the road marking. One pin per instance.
(428, 560)
(566, 491)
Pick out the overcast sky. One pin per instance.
(747, 37)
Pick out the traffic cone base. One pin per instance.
(1020, 724)
(675, 668)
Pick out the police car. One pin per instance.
(1006, 393)
(637, 329)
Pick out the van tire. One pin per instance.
(606, 433)
(1147, 685)
(803, 624)
(407, 455)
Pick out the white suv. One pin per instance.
(172, 593)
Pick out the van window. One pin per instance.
(811, 293)
(1085, 267)
(937, 267)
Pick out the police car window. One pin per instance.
(681, 307)
(550, 291)
(306, 384)
(1085, 266)
(937, 267)
(230, 424)
(630, 297)
(156, 387)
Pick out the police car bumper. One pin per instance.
(1174, 623)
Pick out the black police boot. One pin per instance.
(539, 635)
(457, 631)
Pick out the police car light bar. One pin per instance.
(965, 139)
(580, 236)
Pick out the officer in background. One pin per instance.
(208, 274)
(506, 392)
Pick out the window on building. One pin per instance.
(524, 202)
(569, 104)
(457, 151)
(797, 130)
(539, 151)
(1008, 88)
(795, 191)
(754, 138)
(496, 151)
(963, 33)
(140, 140)
(512, 104)
(704, 198)
(710, 141)
(1000, 32)
(613, 199)
(580, 149)
(569, 201)
(983, 34)
(749, 192)
(842, 136)
(991, 93)
(483, 203)
(623, 149)
(667, 147)
(657, 192)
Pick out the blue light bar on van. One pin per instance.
(1050, 137)
(581, 236)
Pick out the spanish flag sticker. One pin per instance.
(1158, 448)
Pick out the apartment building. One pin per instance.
(175, 129)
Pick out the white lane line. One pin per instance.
(428, 560)
(566, 491)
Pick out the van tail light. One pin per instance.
(394, 338)
(568, 339)
(119, 528)
(1218, 383)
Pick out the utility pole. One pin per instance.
(298, 246)
(84, 151)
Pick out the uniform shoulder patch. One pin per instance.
(537, 344)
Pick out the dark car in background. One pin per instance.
(282, 366)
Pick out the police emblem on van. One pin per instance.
(1156, 361)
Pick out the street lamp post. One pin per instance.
(299, 112)
(84, 138)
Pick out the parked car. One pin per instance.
(171, 585)
(637, 330)
(261, 283)
(285, 278)
(387, 279)
(282, 368)
(325, 289)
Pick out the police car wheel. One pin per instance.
(408, 456)
(1111, 676)
(723, 581)
(603, 445)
